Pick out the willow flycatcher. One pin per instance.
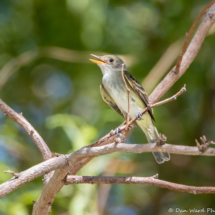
(114, 93)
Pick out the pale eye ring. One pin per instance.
(111, 60)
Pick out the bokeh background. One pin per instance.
(46, 75)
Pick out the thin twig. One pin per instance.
(74, 179)
(183, 89)
(128, 91)
(188, 35)
(16, 175)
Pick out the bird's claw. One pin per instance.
(117, 130)
(139, 116)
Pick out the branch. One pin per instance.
(16, 175)
(32, 173)
(128, 91)
(64, 162)
(150, 147)
(20, 120)
(172, 98)
(188, 57)
(188, 35)
(74, 179)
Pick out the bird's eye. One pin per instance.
(111, 60)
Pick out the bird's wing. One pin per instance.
(109, 101)
(135, 85)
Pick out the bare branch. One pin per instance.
(183, 89)
(64, 162)
(74, 179)
(20, 120)
(128, 91)
(151, 147)
(16, 175)
(32, 173)
(188, 57)
(49, 192)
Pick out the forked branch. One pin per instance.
(190, 54)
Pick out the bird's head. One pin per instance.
(109, 63)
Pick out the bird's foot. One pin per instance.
(139, 116)
(117, 131)
(161, 140)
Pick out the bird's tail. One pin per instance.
(152, 134)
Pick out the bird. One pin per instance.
(114, 94)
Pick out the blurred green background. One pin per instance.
(46, 75)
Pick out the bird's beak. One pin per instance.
(99, 61)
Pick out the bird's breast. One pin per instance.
(113, 83)
(116, 88)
